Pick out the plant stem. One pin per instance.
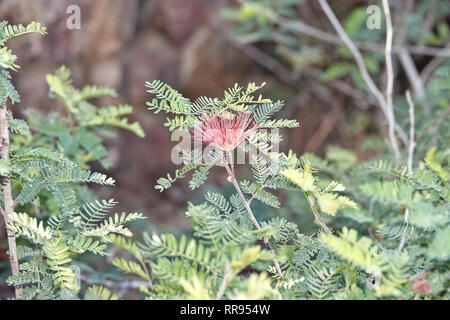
(317, 214)
(226, 280)
(390, 79)
(412, 143)
(250, 214)
(7, 194)
(410, 161)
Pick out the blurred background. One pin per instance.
(201, 47)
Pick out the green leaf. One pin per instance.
(330, 203)
(10, 31)
(440, 246)
(99, 293)
(335, 70)
(354, 22)
(304, 180)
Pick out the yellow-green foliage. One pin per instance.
(329, 202)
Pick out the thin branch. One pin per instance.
(390, 79)
(413, 76)
(412, 143)
(273, 65)
(382, 102)
(7, 195)
(308, 30)
(284, 74)
(410, 160)
(226, 280)
(431, 67)
(250, 213)
(317, 215)
(301, 27)
(405, 58)
(412, 73)
(355, 52)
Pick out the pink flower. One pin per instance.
(224, 133)
(422, 287)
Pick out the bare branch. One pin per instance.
(7, 195)
(390, 79)
(382, 102)
(228, 276)
(301, 27)
(357, 55)
(284, 74)
(413, 76)
(431, 67)
(412, 73)
(412, 143)
(410, 160)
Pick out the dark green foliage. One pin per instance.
(49, 162)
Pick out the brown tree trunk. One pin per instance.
(7, 193)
